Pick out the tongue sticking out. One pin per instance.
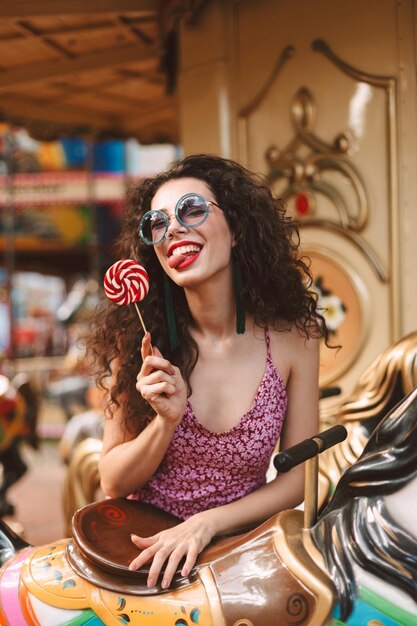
(176, 260)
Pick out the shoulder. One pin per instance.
(293, 336)
(291, 343)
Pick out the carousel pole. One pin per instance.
(311, 486)
(308, 451)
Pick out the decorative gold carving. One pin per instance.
(305, 173)
(285, 55)
(319, 45)
(357, 241)
(282, 59)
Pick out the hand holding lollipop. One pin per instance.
(127, 281)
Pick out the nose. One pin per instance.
(174, 226)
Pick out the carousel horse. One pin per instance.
(19, 406)
(388, 379)
(355, 565)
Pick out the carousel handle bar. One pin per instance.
(329, 392)
(309, 450)
(286, 460)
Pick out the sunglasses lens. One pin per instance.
(153, 227)
(192, 210)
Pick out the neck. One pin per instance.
(213, 308)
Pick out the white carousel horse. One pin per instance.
(358, 563)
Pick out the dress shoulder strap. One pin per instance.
(268, 342)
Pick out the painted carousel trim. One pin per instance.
(291, 548)
(398, 614)
(355, 239)
(26, 606)
(54, 583)
(52, 616)
(9, 594)
(207, 578)
(114, 607)
(362, 298)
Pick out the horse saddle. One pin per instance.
(101, 549)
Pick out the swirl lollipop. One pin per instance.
(125, 282)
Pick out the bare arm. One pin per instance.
(127, 464)
(286, 491)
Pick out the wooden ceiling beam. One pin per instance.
(48, 8)
(94, 27)
(12, 107)
(28, 31)
(49, 70)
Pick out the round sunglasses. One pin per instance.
(191, 211)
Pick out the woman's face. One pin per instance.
(188, 255)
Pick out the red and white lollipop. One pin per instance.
(127, 281)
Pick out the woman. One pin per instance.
(232, 350)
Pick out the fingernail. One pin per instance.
(151, 582)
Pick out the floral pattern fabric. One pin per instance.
(204, 469)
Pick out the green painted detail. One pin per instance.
(391, 610)
(88, 618)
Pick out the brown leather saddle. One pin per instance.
(101, 549)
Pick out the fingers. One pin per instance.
(151, 363)
(156, 384)
(146, 348)
(161, 554)
(192, 555)
(174, 561)
(143, 542)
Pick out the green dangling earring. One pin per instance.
(170, 315)
(240, 307)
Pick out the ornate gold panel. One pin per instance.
(325, 134)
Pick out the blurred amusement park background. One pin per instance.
(319, 97)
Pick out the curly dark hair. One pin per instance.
(276, 278)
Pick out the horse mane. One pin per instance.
(356, 523)
(384, 383)
(390, 377)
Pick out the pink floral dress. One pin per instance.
(204, 469)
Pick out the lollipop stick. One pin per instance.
(140, 317)
(143, 324)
